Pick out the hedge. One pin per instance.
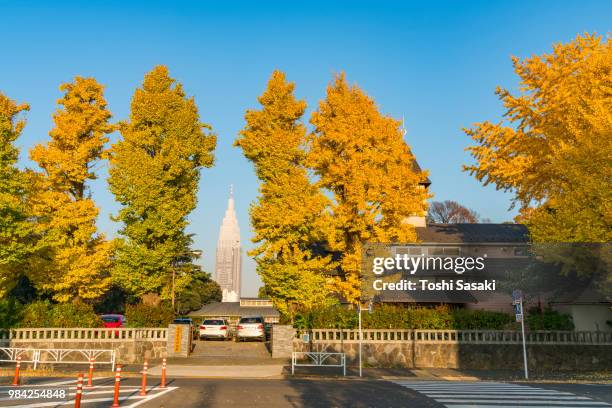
(395, 317)
(141, 315)
(47, 314)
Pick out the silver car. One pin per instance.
(251, 327)
(215, 329)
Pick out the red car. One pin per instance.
(113, 320)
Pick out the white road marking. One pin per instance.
(497, 395)
(134, 397)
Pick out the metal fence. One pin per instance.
(460, 336)
(58, 356)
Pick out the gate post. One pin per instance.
(282, 341)
(179, 340)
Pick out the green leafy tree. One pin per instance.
(154, 175)
(16, 230)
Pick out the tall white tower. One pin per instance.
(228, 268)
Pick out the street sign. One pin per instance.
(517, 296)
(370, 308)
(305, 338)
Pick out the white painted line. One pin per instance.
(60, 403)
(498, 393)
(504, 397)
(523, 402)
(159, 394)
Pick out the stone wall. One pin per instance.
(469, 356)
(282, 341)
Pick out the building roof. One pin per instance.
(473, 233)
(417, 169)
(234, 309)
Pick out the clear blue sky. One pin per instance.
(435, 64)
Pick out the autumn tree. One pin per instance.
(17, 242)
(154, 175)
(78, 266)
(361, 158)
(289, 216)
(451, 212)
(553, 148)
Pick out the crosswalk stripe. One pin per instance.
(498, 395)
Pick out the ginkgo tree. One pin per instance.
(77, 266)
(154, 174)
(553, 149)
(17, 238)
(289, 217)
(360, 157)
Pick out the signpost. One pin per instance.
(361, 332)
(517, 301)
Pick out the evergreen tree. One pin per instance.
(77, 268)
(154, 174)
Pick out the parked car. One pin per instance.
(113, 320)
(215, 329)
(251, 327)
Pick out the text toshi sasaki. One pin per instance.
(413, 264)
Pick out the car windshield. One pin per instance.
(111, 319)
(251, 320)
(214, 322)
(182, 321)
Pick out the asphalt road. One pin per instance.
(213, 393)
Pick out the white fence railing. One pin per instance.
(58, 356)
(317, 359)
(460, 336)
(83, 335)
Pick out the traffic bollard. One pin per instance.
(143, 386)
(79, 392)
(163, 379)
(117, 384)
(90, 376)
(17, 367)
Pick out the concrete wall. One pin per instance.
(469, 356)
(588, 317)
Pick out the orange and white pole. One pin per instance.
(90, 376)
(117, 384)
(163, 379)
(79, 392)
(143, 386)
(17, 367)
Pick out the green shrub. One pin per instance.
(549, 319)
(47, 314)
(10, 312)
(397, 317)
(141, 315)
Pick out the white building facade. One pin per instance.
(228, 267)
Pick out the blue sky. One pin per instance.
(434, 63)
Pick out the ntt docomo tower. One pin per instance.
(228, 268)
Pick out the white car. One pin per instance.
(251, 327)
(215, 329)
